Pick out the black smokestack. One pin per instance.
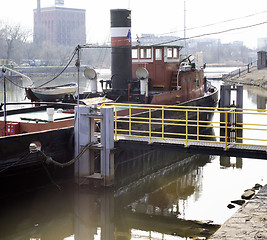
(121, 52)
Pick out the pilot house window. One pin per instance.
(146, 53)
(175, 53)
(158, 54)
(134, 53)
(169, 53)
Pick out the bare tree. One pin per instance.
(13, 36)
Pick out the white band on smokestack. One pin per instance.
(121, 50)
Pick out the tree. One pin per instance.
(13, 37)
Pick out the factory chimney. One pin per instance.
(39, 23)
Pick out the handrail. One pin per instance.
(18, 73)
(190, 124)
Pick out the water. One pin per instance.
(217, 72)
(191, 188)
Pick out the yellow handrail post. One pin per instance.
(197, 123)
(162, 127)
(186, 128)
(115, 123)
(225, 130)
(149, 126)
(130, 119)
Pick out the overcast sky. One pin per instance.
(159, 17)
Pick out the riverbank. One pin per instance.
(256, 77)
(249, 222)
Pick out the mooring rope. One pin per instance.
(33, 149)
(15, 163)
(49, 159)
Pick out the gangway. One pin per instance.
(192, 129)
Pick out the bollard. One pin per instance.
(84, 129)
(107, 142)
(83, 135)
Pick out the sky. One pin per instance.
(161, 17)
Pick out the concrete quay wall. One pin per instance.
(249, 222)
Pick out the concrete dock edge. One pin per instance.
(249, 222)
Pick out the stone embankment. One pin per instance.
(249, 222)
(256, 77)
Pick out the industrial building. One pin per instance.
(59, 25)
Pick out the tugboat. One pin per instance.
(153, 72)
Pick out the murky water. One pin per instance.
(163, 204)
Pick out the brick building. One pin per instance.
(60, 25)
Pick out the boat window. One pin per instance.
(197, 80)
(175, 53)
(158, 54)
(146, 53)
(169, 53)
(189, 79)
(134, 53)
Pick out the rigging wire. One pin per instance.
(213, 24)
(15, 84)
(69, 62)
(213, 33)
(105, 53)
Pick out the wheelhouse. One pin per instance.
(162, 63)
(168, 70)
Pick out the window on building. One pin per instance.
(169, 52)
(145, 53)
(134, 53)
(158, 54)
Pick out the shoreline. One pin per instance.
(249, 222)
(256, 77)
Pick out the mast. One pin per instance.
(185, 47)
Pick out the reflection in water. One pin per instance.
(13, 94)
(163, 205)
(231, 162)
(257, 96)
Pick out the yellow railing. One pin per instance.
(191, 124)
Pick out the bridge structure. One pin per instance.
(224, 131)
(203, 130)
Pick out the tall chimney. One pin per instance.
(121, 48)
(39, 22)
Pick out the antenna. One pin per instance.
(185, 47)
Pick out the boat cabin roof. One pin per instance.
(150, 40)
